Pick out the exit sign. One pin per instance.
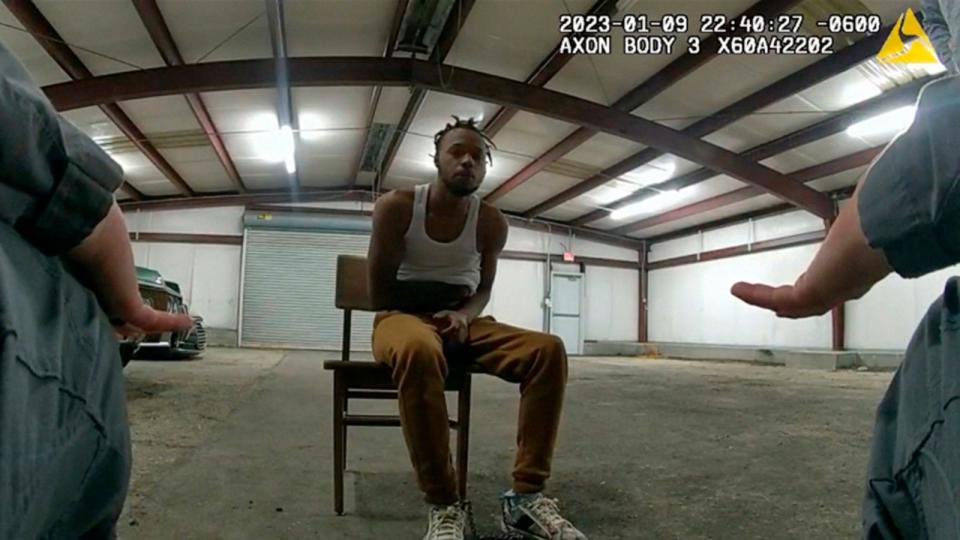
(568, 256)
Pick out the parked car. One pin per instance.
(165, 295)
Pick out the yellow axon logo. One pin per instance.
(908, 43)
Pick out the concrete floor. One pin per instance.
(238, 445)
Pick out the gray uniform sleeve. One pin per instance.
(56, 184)
(909, 202)
(935, 26)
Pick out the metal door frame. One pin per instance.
(580, 316)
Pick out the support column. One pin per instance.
(837, 314)
(642, 305)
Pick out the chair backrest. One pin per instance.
(352, 292)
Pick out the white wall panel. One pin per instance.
(517, 294)
(767, 228)
(885, 318)
(521, 239)
(612, 305)
(222, 220)
(674, 248)
(216, 284)
(140, 251)
(734, 235)
(693, 304)
(217, 220)
(789, 224)
(208, 275)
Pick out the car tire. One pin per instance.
(126, 353)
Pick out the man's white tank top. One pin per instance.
(456, 262)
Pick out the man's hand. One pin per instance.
(104, 262)
(453, 326)
(790, 301)
(146, 320)
(845, 268)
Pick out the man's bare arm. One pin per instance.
(104, 262)
(386, 250)
(844, 268)
(495, 238)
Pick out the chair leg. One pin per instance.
(463, 437)
(343, 436)
(339, 440)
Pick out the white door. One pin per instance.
(566, 298)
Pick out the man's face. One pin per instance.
(461, 161)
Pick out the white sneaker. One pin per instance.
(446, 523)
(536, 517)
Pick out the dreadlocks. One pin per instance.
(470, 124)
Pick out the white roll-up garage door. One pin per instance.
(289, 279)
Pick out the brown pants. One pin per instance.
(410, 345)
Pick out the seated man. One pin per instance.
(433, 259)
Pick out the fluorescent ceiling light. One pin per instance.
(651, 174)
(266, 142)
(632, 181)
(890, 121)
(272, 142)
(657, 202)
(614, 191)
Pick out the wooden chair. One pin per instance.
(369, 380)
